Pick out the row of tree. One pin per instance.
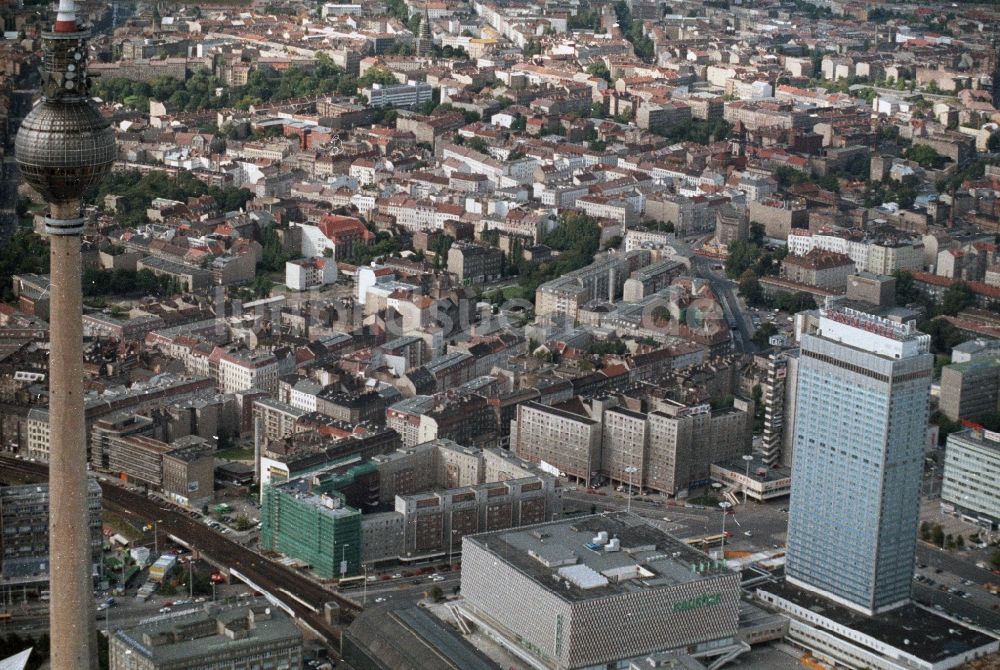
(124, 282)
(203, 91)
(137, 191)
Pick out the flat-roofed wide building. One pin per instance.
(971, 474)
(599, 590)
(216, 636)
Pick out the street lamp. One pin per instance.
(156, 537)
(631, 470)
(749, 459)
(725, 505)
(451, 540)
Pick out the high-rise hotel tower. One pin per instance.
(860, 428)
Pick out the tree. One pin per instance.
(925, 156)
(201, 584)
(925, 531)
(242, 523)
(937, 535)
(273, 257)
(661, 315)
(763, 334)
(599, 69)
(377, 75)
(957, 297)
(906, 290)
(262, 287)
(477, 144)
(995, 559)
(530, 49)
(750, 289)
(756, 396)
(741, 256)
(436, 594)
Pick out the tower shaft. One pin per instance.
(71, 609)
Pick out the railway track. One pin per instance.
(303, 596)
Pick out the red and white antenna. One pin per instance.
(66, 17)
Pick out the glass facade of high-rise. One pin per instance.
(861, 415)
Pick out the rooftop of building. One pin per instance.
(759, 470)
(207, 631)
(190, 448)
(573, 560)
(981, 361)
(914, 630)
(865, 320)
(418, 404)
(560, 413)
(984, 439)
(331, 505)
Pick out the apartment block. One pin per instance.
(24, 534)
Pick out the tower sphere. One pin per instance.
(64, 147)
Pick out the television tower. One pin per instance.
(65, 147)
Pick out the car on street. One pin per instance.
(380, 600)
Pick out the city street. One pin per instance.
(731, 306)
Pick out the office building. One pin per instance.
(258, 636)
(24, 534)
(905, 638)
(860, 429)
(313, 451)
(971, 389)
(971, 475)
(399, 95)
(183, 469)
(597, 591)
